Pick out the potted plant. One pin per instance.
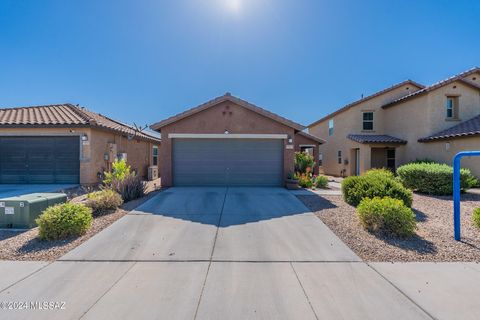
(291, 182)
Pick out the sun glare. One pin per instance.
(233, 5)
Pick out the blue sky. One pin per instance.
(142, 61)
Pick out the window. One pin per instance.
(330, 127)
(368, 121)
(155, 156)
(320, 160)
(339, 157)
(452, 108)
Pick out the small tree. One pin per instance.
(120, 170)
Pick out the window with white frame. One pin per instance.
(320, 160)
(452, 108)
(330, 127)
(368, 121)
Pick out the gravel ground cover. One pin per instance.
(25, 245)
(433, 240)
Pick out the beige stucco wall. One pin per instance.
(425, 115)
(215, 120)
(139, 154)
(411, 120)
(351, 122)
(444, 151)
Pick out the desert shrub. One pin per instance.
(476, 217)
(355, 188)
(120, 170)
(63, 221)
(433, 178)
(320, 181)
(304, 162)
(104, 200)
(385, 173)
(423, 160)
(305, 180)
(130, 187)
(387, 216)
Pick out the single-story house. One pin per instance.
(68, 144)
(230, 142)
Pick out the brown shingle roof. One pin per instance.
(467, 128)
(65, 115)
(375, 138)
(376, 94)
(227, 97)
(458, 77)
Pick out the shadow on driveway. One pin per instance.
(232, 206)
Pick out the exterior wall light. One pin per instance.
(84, 137)
(226, 132)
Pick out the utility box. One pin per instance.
(20, 212)
(152, 173)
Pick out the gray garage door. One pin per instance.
(227, 162)
(39, 159)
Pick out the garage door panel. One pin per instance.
(220, 162)
(39, 159)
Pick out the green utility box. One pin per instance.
(20, 212)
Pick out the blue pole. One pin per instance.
(456, 189)
(456, 195)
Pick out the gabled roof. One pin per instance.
(458, 77)
(379, 93)
(66, 115)
(465, 129)
(310, 136)
(227, 97)
(375, 138)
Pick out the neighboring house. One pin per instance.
(403, 123)
(230, 142)
(68, 144)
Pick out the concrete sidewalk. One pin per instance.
(244, 290)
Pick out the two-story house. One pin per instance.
(405, 122)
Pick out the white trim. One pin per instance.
(225, 136)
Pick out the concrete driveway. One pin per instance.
(218, 253)
(13, 190)
(218, 224)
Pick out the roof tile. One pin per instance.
(375, 138)
(467, 128)
(66, 115)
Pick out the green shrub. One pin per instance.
(476, 217)
(355, 188)
(433, 178)
(63, 221)
(423, 160)
(304, 162)
(385, 173)
(130, 187)
(320, 181)
(387, 216)
(120, 170)
(104, 200)
(305, 180)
